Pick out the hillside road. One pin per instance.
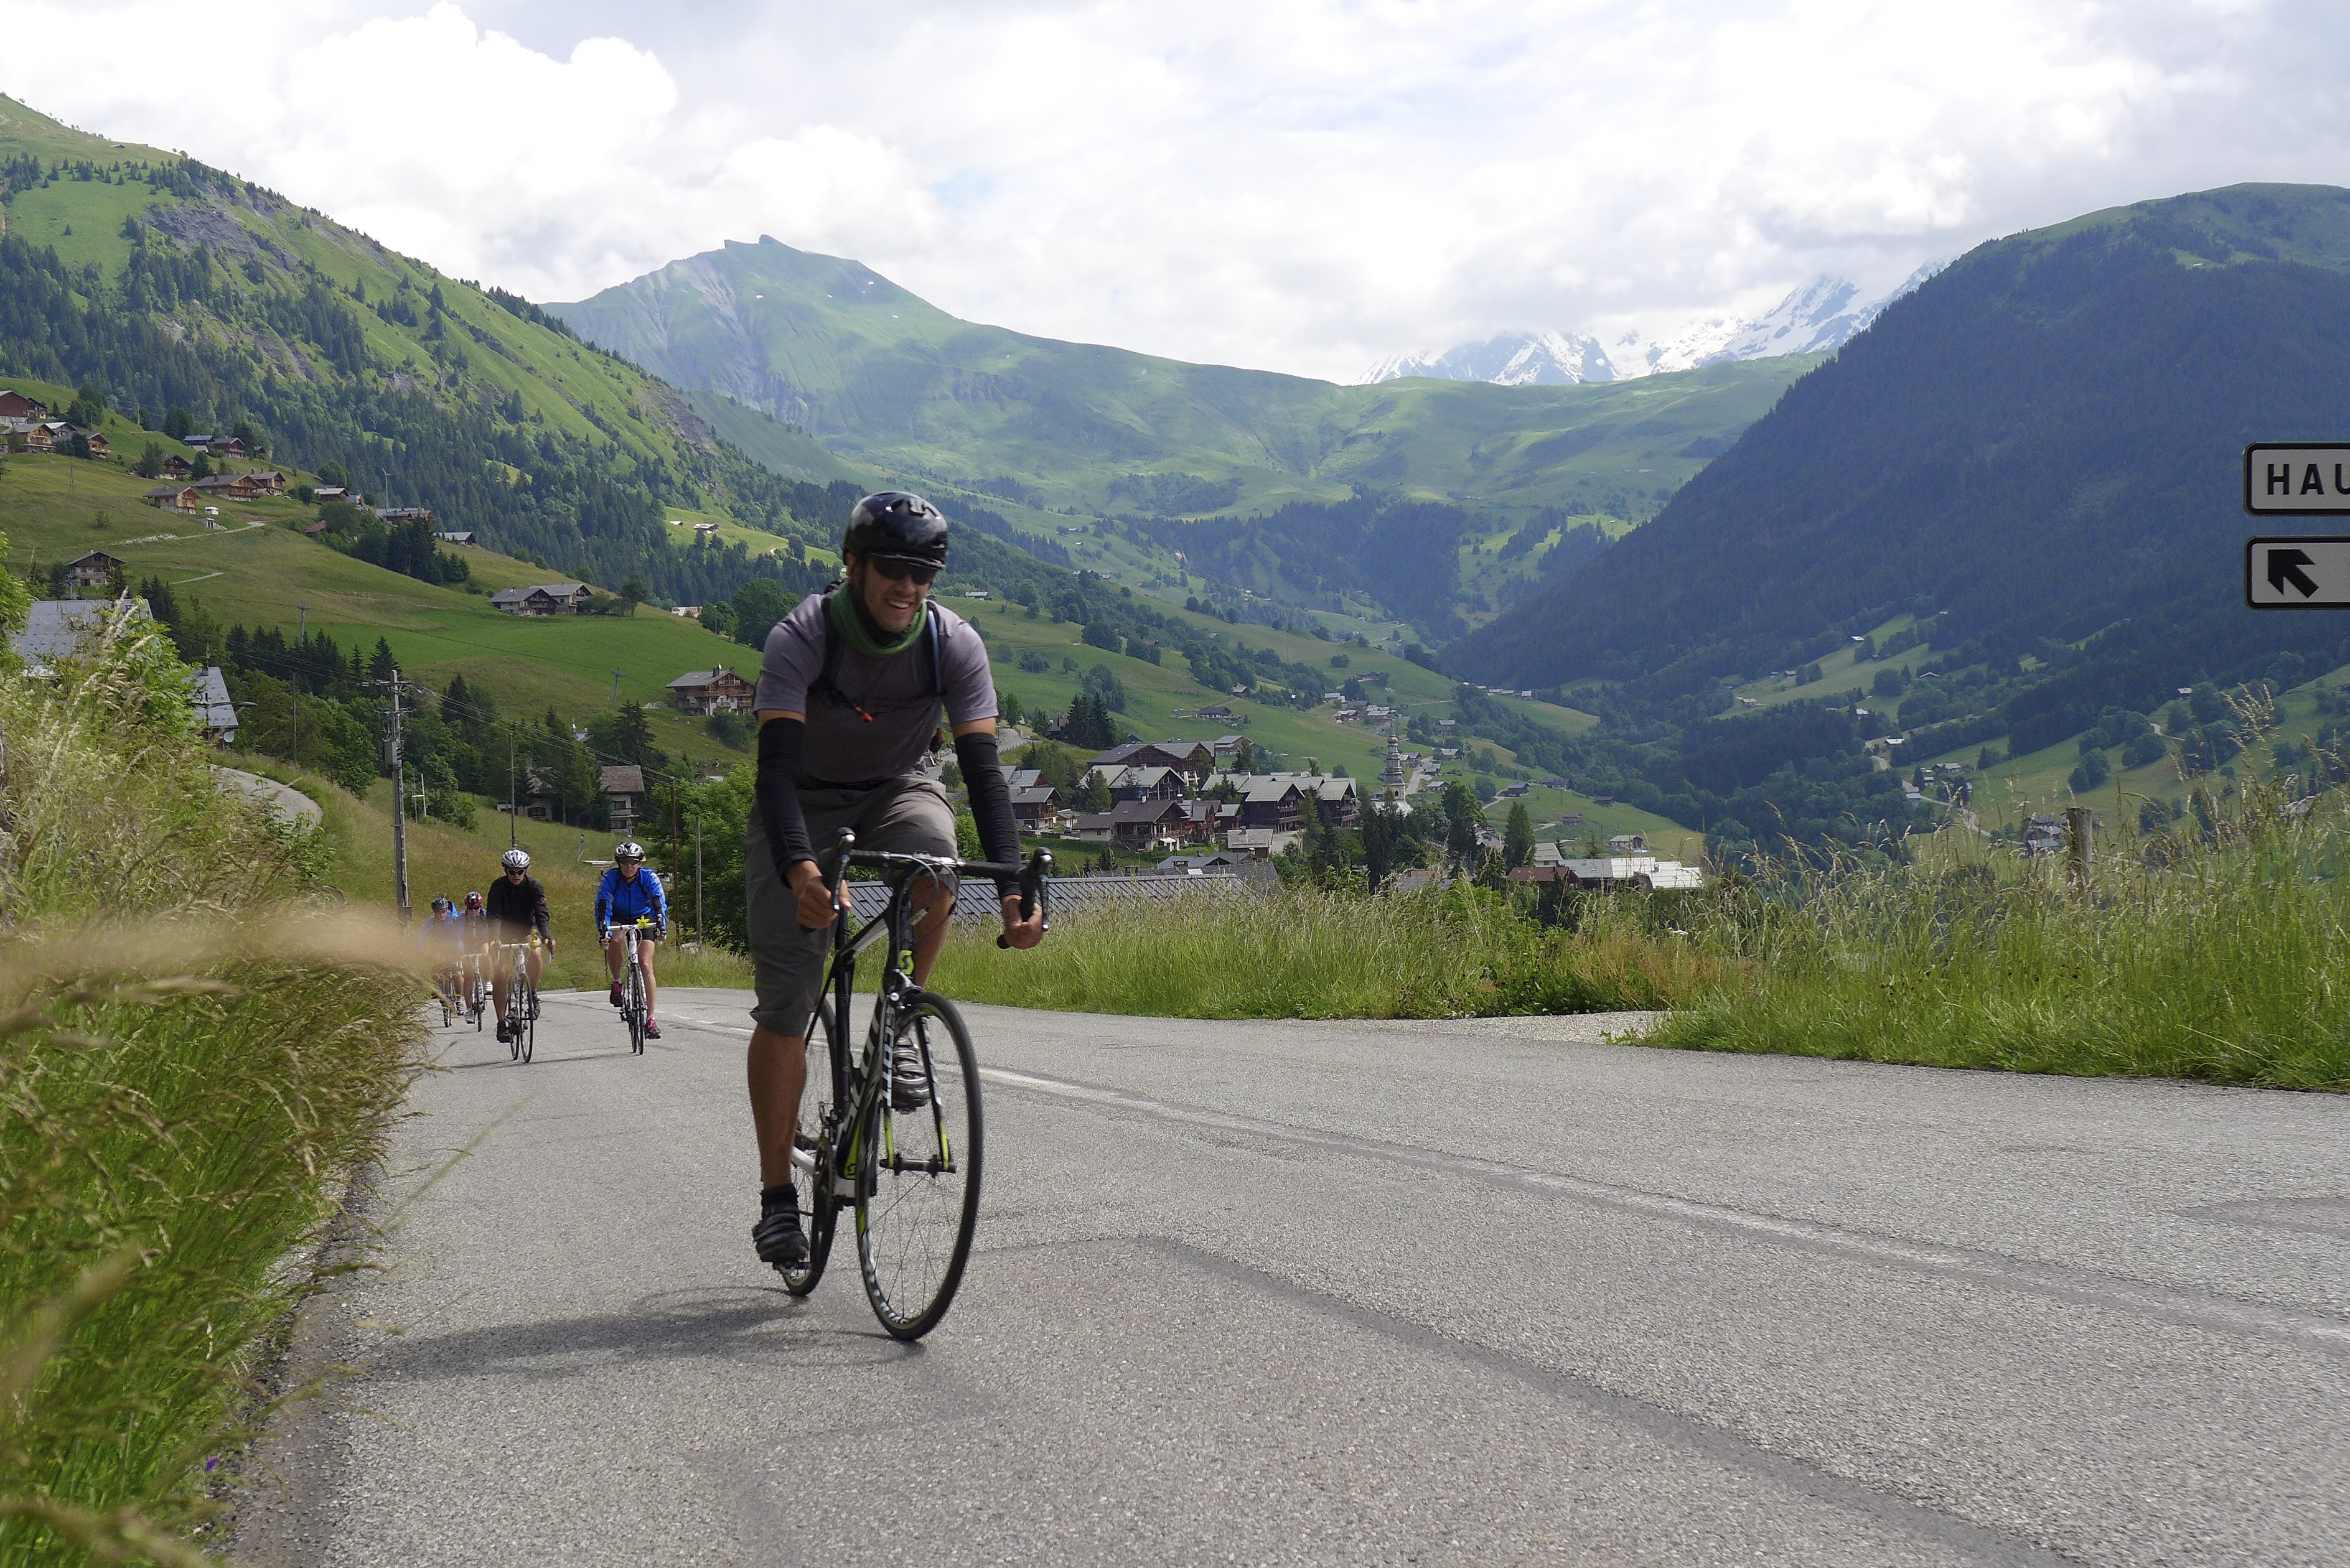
(1300, 1293)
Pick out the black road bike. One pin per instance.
(522, 1001)
(894, 1133)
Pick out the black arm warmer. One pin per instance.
(778, 791)
(991, 804)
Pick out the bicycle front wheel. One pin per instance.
(817, 1205)
(634, 1007)
(529, 1031)
(918, 1166)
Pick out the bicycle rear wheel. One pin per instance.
(918, 1174)
(817, 1204)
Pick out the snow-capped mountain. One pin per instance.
(1822, 316)
(1512, 359)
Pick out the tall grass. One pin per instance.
(2219, 951)
(1302, 953)
(192, 1058)
(2215, 952)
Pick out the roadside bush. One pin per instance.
(187, 1076)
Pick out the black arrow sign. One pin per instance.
(2285, 566)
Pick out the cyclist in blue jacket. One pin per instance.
(629, 892)
(442, 938)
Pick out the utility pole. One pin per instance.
(673, 861)
(697, 880)
(398, 806)
(2080, 836)
(615, 688)
(513, 804)
(302, 647)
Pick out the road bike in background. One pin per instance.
(522, 1000)
(896, 1132)
(634, 1010)
(476, 994)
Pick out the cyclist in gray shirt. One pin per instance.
(856, 689)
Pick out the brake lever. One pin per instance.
(1033, 890)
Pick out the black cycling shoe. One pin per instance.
(778, 1238)
(505, 1030)
(909, 1086)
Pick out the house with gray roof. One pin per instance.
(543, 599)
(215, 714)
(57, 629)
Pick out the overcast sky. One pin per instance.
(1299, 185)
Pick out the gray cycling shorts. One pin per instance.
(908, 816)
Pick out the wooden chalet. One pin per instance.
(623, 784)
(711, 691)
(1194, 759)
(1031, 808)
(95, 570)
(543, 599)
(174, 498)
(16, 405)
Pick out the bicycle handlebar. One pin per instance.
(1034, 877)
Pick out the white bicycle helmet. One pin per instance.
(628, 849)
(516, 860)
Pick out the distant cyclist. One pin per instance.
(629, 893)
(441, 938)
(516, 908)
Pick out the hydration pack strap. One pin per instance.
(826, 685)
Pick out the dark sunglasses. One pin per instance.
(898, 571)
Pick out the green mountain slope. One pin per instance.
(881, 375)
(2032, 468)
(167, 284)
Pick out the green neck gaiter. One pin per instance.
(850, 621)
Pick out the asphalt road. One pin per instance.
(1351, 1294)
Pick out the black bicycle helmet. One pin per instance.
(897, 526)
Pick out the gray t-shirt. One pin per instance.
(842, 746)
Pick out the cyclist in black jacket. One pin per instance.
(855, 687)
(517, 909)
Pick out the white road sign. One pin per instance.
(2297, 573)
(2293, 479)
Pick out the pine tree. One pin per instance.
(1379, 853)
(1517, 836)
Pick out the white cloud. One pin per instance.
(1299, 184)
